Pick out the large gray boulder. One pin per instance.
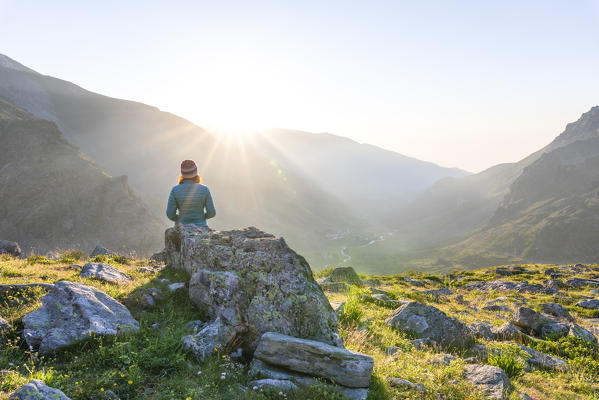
(37, 390)
(104, 272)
(253, 282)
(318, 359)
(10, 248)
(72, 311)
(431, 323)
(493, 382)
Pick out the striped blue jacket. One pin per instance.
(194, 202)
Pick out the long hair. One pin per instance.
(196, 179)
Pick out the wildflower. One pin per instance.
(255, 388)
(101, 389)
(199, 372)
(130, 382)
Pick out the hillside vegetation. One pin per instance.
(151, 364)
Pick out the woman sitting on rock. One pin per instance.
(191, 198)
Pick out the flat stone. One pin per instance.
(341, 366)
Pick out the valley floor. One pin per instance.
(151, 364)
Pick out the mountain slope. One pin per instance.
(551, 211)
(270, 180)
(53, 196)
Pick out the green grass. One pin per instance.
(151, 364)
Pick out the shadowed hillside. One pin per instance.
(53, 196)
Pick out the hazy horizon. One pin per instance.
(464, 85)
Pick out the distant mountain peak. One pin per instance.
(9, 63)
(586, 127)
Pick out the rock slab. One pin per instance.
(37, 390)
(72, 311)
(319, 359)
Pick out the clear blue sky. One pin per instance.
(461, 83)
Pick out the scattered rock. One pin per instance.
(101, 251)
(10, 248)
(37, 390)
(390, 350)
(259, 369)
(254, 282)
(491, 380)
(405, 384)
(579, 282)
(209, 339)
(195, 326)
(579, 331)
(421, 343)
(443, 359)
(341, 366)
(4, 328)
(429, 322)
(554, 329)
(281, 384)
(413, 281)
(104, 272)
(499, 285)
(160, 257)
(589, 304)
(146, 300)
(344, 274)
(482, 330)
(557, 311)
(542, 360)
(497, 308)
(176, 286)
(442, 292)
(507, 331)
(530, 320)
(71, 312)
(334, 287)
(594, 291)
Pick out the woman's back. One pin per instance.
(193, 200)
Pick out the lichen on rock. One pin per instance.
(253, 283)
